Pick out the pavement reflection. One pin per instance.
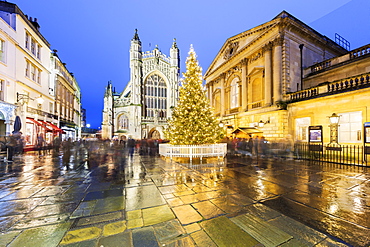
(103, 196)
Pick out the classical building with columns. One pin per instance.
(249, 79)
(142, 109)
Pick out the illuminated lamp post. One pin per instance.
(40, 101)
(261, 124)
(334, 123)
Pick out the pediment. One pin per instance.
(238, 43)
(248, 40)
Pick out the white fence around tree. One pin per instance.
(193, 151)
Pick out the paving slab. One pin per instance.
(143, 197)
(144, 237)
(299, 231)
(44, 236)
(181, 242)
(134, 214)
(192, 228)
(114, 228)
(201, 238)
(99, 218)
(168, 231)
(207, 209)
(88, 243)
(109, 204)
(225, 233)
(187, 214)
(121, 239)
(21, 206)
(7, 237)
(9, 221)
(155, 215)
(84, 209)
(135, 223)
(81, 234)
(261, 230)
(29, 222)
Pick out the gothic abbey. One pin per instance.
(142, 109)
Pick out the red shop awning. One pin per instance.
(54, 127)
(39, 123)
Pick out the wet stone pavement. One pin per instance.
(112, 199)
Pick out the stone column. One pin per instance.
(277, 69)
(244, 95)
(222, 103)
(268, 74)
(210, 93)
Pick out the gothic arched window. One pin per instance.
(123, 122)
(155, 95)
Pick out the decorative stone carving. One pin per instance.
(231, 50)
(232, 71)
(267, 47)
(255, 56)
(244, 61)
(279, 41)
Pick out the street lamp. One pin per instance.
(334, 123)
(39, 101)
(261, 123)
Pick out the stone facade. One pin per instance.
(254, 70)
(29, 78)
(340, 85)
(142, 109)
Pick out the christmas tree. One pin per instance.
(192, 121)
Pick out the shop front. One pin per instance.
(38, 129)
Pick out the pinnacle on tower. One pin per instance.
(174, 45)
(136, 36)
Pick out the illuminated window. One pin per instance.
(27, 72)
(27, 41)
(2, 51)
(234, 93)
(302, 125)
(33, 73)
(38, 53)
(33, 46)
(350, 125)
(39, 76)
(155, 95)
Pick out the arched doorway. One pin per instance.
(154, 134)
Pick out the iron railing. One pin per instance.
(339, 154)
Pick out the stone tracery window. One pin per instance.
(155, 96)
(123, 122)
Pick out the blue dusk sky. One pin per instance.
(93, 36)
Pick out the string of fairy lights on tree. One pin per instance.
(192, 121)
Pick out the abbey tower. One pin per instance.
(142, 109)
